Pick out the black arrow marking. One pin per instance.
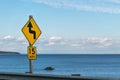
(31, 31)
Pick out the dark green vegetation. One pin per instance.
(8, 53)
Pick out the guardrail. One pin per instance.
(27, 76)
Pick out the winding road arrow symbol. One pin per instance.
(31, 31)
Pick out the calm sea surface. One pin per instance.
(65, 64)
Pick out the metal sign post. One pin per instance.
(31, 56)
(32, 33)
(30, 62)
(30, 66)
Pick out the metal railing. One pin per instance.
(27, 76)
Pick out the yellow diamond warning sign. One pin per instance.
(31, 31)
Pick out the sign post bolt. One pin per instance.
(30, 16)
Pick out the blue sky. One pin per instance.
(68, 26)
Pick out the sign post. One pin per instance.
(30, 66)
(32, 33)
(30, 55)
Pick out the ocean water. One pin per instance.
(94, 65)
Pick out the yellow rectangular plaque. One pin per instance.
(32, 53)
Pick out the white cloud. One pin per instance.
(8, 37)
(75, 45)
(11, 43)
(50, 44)
(106, 6)
(79, 45)
(58, 44)
(54, 38)
(93, 43)
(20, 39)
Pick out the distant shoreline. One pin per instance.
(8, 52)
